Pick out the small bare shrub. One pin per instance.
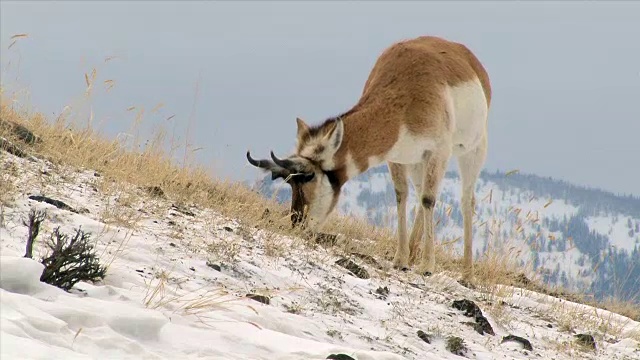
(36, 217)
(71, 260)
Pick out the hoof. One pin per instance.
(400, 262)
(401, 268)
(426, 269)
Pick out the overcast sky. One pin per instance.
(565, 76)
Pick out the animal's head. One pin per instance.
(310, 172)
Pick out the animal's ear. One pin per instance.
(303, 128)
(333, 136)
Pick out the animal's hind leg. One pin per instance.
(470, 165)
(434, 169)
(399, 177)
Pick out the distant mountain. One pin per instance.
(584, 239)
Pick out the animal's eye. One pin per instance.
(307, 177)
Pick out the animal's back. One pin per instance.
(420, 67)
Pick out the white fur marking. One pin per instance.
(319, 208)
(352, 168)
(467, 107)
(469, 115)
(410, 147)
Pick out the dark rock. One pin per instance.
(83, 211)
(192, 268)
(182, 210)
(456, 346)
(368, 258)
(472, 310)
(417, 286)
(259, 298)
(57, 203)
(549, 326)
(26, 135)
(171, 222)
(383, 292)
(140, 271)
(228, 229)
(21, 132)
(213, 266)
(424, 336)
(340, 357)
(355, 269)
(324, 239)
(155, 191)
(172, 244)
(12, 149)
(526, 344)
(586, 340)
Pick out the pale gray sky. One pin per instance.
(565, 75)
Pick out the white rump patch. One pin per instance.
(469, 115)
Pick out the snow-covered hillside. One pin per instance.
(178, 278)
(584, 240)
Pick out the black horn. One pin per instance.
(285, 163)
(263, 164)
(276, 171)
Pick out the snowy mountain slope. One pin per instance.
(583, 239)
(177, 281)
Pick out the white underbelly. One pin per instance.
(410, 148)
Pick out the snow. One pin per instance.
(161, 299)
(568, 260)
(615, 229)
(377, 182)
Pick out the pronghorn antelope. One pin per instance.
(425, 99)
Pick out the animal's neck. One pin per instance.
(370, 130)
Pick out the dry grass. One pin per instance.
(163, 291)
(8, 189)
(69, 141)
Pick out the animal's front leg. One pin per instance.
(398, 175)
(417, 234)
